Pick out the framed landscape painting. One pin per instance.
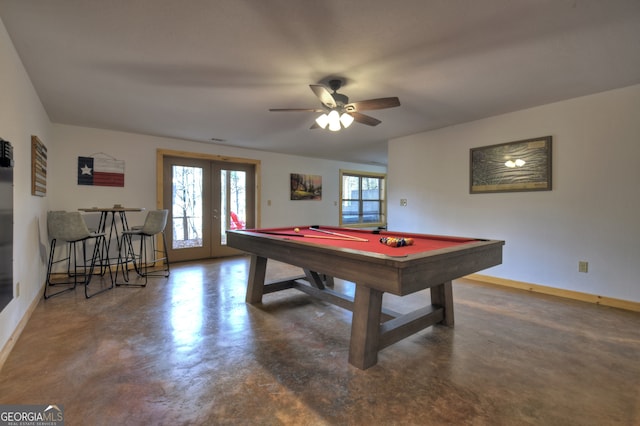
(306, 187)
(513, 166)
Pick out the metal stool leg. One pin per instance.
(48, 283)
(99, 252)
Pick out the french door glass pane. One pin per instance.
(187, 208)
(237, 199)
(233, 204)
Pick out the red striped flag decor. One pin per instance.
(97, 171)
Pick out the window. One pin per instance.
(362, 199)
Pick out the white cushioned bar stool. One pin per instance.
(143, 264)
(70, 227)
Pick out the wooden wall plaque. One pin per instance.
(38, 167)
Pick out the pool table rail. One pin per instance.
(373, 327)
(395, 275)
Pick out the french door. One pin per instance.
(205, 198)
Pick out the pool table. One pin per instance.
(359, 256)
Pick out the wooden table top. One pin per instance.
(112, 209)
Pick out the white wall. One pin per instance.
(139, 154)
(22, 115)
(592, 213)
(66, 143)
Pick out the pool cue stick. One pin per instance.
(338, 234)
(286, 234)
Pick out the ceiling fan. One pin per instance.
(338, 112)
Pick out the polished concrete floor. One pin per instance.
(188, 351)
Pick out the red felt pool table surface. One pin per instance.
(307, 234)
(357, 255)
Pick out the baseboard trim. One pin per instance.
(567, 294)
(8, 347)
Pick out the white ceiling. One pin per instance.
(203, 69)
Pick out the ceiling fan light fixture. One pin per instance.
(334, 121)
(323, 121)
(337, 112)
(346, 119)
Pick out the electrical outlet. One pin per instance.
(583, 266)
(403, 202)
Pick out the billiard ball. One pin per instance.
(296, 229)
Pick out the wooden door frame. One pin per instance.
(162, 153)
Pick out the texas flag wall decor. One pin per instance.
(97, 171)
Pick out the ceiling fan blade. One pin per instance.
(324, 95)
(380, 103)
(296, 109)
(365, 119)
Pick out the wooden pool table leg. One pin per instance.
(365, 327)
(257, 273)
(442, 295)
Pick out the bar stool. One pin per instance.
(69, 227)
(154, 225)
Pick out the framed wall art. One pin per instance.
(306, 187)
(100, 170)
(38, 167)
(513, 166)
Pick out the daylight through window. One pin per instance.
(362, 199)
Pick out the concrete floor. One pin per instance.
(188, 350)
